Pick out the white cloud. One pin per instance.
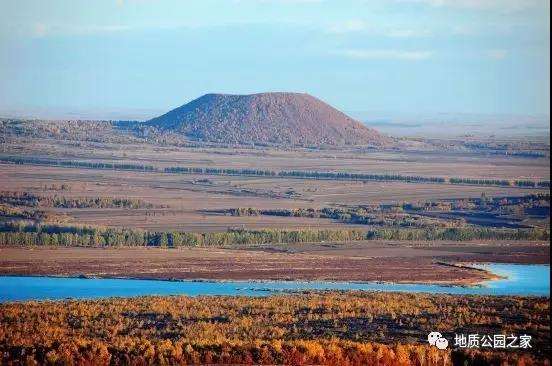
(281, 1)
(357, 25)
(496, 54)
(353, 25)
(94, 29)
(122, 2)
(366, 54)
(407, 33)
(43, 30)
(504, 5)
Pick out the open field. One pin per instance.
(186, 198)
(366, 261)
(424, 163)
(198, 202)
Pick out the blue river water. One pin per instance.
(532, 280)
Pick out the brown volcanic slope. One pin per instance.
(280, 118)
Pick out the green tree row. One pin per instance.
(305, 174)
(23, 234)
(501, 182)
(271, 173)
(75, 163)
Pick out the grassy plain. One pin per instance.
(329, 328)
(186, 198)
(188, 202)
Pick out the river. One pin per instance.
(530, 280)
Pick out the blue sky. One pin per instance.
(403, 56)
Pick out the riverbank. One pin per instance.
(362, 262)
(509, 280)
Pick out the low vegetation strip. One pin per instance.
(446, 213)
(32, 200)
(306, 174)
(331, 328)
(24, 234)
(501, 182)
(76, 163)
(341, 176)
(346, 176)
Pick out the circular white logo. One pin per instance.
(436, 339)
(433, 337)
(441, 343)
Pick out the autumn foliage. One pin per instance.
(302, 329)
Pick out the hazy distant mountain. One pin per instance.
(281, 118)
(456, 125)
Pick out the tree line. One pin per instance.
(22, 233)
(375, 216)
(358, 176)
(11, 212)
(31, 200)
(305, 174)
(347, 176)
(407, 214)
(501, 182)
(458, 234)
(76, 163)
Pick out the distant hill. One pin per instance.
(278, 118)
